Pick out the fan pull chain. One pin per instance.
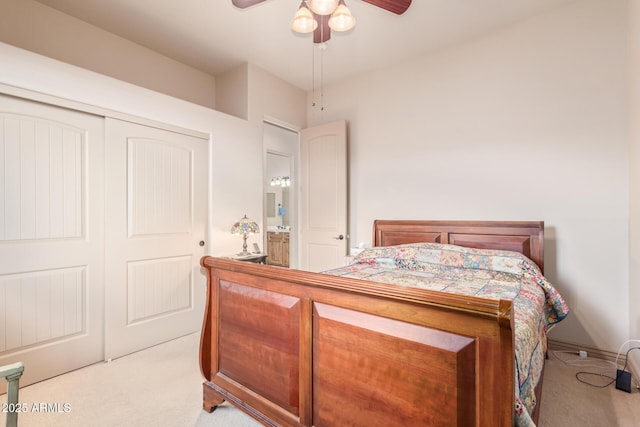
(313, 74)
(322, 48)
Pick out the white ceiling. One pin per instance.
(214, 36)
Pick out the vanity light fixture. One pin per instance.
(280, 181)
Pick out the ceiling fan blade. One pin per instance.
(243, 4)
(323, 32)
(396, 6)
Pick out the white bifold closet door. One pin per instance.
(51, 238)
(156, 208)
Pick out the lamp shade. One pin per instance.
(323, 7)
(341, 19)
(303, 22)
(245, 226)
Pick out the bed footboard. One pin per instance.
(296, 348)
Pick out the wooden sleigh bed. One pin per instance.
(290, 347)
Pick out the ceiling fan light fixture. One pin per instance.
(341, 19)
(323, 7)
(303, 21)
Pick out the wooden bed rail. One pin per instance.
(290, 347)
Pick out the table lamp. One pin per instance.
(245, 227)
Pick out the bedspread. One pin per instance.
(494, 274)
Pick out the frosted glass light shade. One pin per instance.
(341, 19)
(323, 7)
(303, 21)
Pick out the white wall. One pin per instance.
(38, 28)
(272, 98)
(232, 92)
(526, 123)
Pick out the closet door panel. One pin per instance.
(51, 237)
(156, 219)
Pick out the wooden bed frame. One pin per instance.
(293, 348)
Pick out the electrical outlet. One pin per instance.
(583, 353)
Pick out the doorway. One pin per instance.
(280, 201)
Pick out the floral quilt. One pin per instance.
(494, 274)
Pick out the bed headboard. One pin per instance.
(526, 237)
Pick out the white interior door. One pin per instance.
(156, 218)
(323, 228)
(51, 238)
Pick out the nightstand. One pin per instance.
(259, 258)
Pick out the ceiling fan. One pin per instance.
(317, 19)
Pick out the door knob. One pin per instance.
(340, 237)
(201, 243)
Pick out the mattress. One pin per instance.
(494, 274)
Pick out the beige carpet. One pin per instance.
(568, 402)
(161, 386)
